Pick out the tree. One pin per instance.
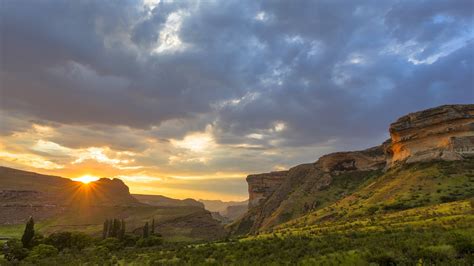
(146, 232)
(121, 233)
(153, 226)
(105, 229)
(29, 233)
(109, 228)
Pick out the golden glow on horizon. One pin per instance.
(86, 179)
(181, 177)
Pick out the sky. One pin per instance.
(186, 98)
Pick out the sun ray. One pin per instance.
(86, 179)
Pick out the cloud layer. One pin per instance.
(216, 88)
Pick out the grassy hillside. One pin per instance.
(400, 188)
(355, 194)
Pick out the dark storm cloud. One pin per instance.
(329, 70)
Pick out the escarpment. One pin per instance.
(442, 133)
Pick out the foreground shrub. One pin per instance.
(150, 241)
(111, 244)
(70, 240)
(43, 251)
(13, 250)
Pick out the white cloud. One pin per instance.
(169, 40)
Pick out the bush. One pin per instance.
(383, 259)
(111, 243)
(13, 250)
(448, 198)
(97, 251)
(372, 209)
(130, 240)
(397, 206)
(149, 241)
(463, 244)
(438, 253)
(71, 240)
(43, 251)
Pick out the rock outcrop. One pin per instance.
(442, 133)
(370, 159)
(445, 132)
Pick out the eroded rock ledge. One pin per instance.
(445, 132)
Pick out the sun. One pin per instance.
(86, 179)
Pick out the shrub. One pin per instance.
(397, 206)
(463, 244)
(13, 250)
(437, 253)
(111, 243)
(130, 240)
(448, 198)
(43, 251)
(382, 259)
(71, 240)
(372, 209)
(149, 241)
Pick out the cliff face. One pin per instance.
(445, 133)
(261, 186)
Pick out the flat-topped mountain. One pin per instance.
(444, 133)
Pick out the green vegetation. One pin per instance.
(450, 241)
(55, 248)
(418, 214)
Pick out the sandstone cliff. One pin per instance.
(261, 186)
(445, 133)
